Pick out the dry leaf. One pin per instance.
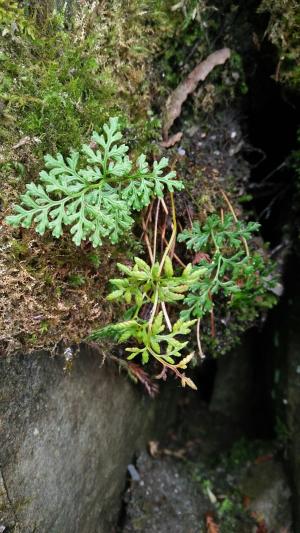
(185, 361)
(139, 374)
(211, 525)
(178, 97)
(187, 381)
(263, 458)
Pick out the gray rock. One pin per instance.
(267, 487)
(291, 399)
(286, 354)
(166, 500)
(66, 441)
(232, 394)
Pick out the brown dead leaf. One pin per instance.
(211, 525)
(263, 459)
(199, 73)
(139, 374)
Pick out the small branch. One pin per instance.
(202, 356)
(186, 87)
(167, 319)
(212, 323)
(163, 203)
(146, 239)
(149, 214)
(153, 311)
(175, 255)
(148, 218)
(155, 232)
(163, 234)
(189, 217)
(222, 216)
(173, 236)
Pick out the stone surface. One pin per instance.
(233, 383)
(290, 345)
(165, 500)
(266, 486)
(66, 441)
(284, 345)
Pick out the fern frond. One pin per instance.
(95, 200)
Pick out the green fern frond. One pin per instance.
(94, 200)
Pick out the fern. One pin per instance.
(152, 286)
(227, 262)
(95, 200)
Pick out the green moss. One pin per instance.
(284, 32)
(60, 79)
(59, 85)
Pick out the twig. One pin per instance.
(163, 203)
(146, 239)
(153, 311)
(222, 216)
(212, 323)
(149, 214)
(175, 255)
(163, 234)
(186, 87)
(173, 236)
(202, 356)
(167, 319)
(166, 252)
(189, 217)
(148, 217)
(155, 232)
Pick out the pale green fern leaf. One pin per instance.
(94, 199)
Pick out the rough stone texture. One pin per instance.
(283, 342)
(66, 440)
(267, 487)
(233, 383)
(165, 500)
(291, 351)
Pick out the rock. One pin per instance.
(232, 394)
(166, 500)
(291, 398)
(266, 486)
(284, 346)
(66, 441)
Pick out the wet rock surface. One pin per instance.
(66, 440)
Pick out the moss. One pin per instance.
(284, 32)
(63, 77)
(56, 86)
(60, 89)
